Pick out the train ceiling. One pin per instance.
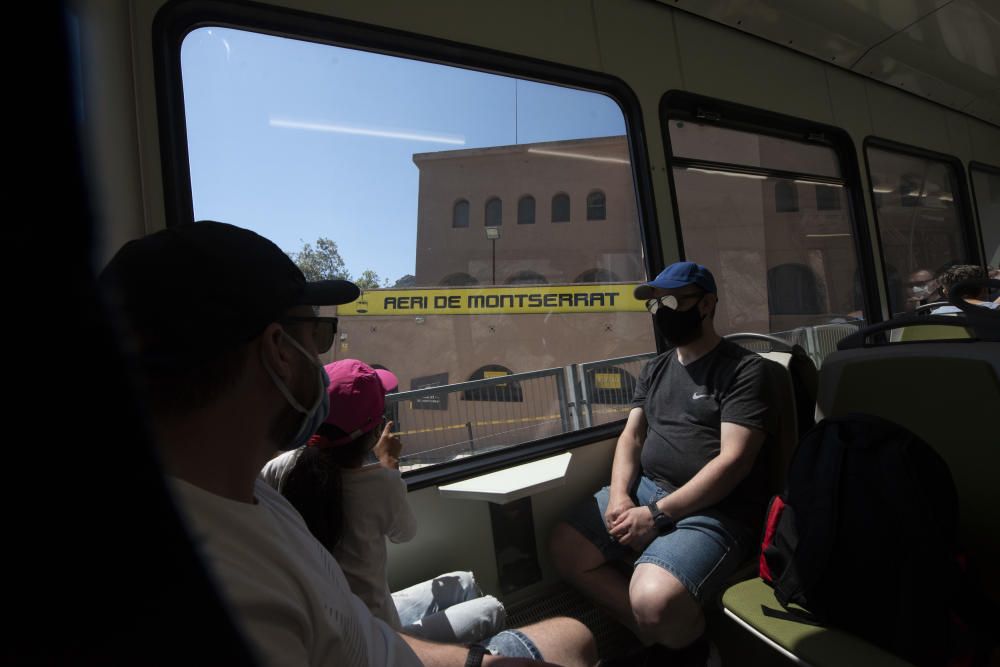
(947, 51)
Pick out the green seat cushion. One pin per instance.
(749, 603)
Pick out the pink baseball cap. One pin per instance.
(357, 399)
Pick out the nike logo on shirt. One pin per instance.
(696, 395)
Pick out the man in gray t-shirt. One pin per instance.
(688, 483)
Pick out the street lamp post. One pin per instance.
(493, 233)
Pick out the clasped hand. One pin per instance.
(630, 525)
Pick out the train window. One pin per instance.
(919, 224)
(782, 262)
(986, 189)
(402, 168)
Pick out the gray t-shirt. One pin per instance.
(685, 407)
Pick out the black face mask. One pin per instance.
(679, 327)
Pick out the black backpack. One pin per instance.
(864, 537)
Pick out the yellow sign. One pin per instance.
(608, 380)
(590, 298)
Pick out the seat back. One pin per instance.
(782, 395)
(792, 380)
(948, 394)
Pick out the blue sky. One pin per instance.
(297, 140)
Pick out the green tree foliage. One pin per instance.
(369, 280)
(322, 262)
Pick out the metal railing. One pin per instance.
(438, 424)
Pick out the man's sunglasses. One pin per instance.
(325, 333)
(670, 301)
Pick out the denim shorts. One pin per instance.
(512, 644)
(702, 551)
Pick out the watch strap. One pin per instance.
(475, 655)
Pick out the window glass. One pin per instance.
(526, 210)
(460, 216)
(726, 146)
(986, 185)
(782, 264)
(394, 173)
(494, 212)
(918, 224)
(596, 207)
(560, 208)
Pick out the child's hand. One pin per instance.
(388, 447)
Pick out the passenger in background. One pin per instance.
(977, 296)
(225, 328)
(352, 509)
(688, 490)
(921, 288)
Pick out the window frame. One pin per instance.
(569, 208)
(691, 107)
(534, 206)
(604, 205)
(989, 169)
(962, 204)
(175, 20)
(454, 217)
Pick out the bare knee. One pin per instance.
(564, 641)
(665, 612)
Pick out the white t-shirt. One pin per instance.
(375, 508)
(287, 592)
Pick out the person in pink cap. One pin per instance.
(351, 508)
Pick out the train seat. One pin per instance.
(946, 392)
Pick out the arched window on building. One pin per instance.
(460, 214)
(596, 206)
(792, 289)
(494, 212)
(786, 197)
(526, 278)
(458, 279)
(509, 392)
(560, 208)
(598, 276)
(526, 210)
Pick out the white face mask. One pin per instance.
(311, 417)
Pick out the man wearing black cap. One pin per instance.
(228, 340)
(688, 489)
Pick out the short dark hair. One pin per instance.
(960, 273)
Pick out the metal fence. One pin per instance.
(442, 423)
(438, 424)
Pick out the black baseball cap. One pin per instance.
(192, 290)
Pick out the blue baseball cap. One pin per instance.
(678, 274)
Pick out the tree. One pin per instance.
(369, 280)
(322, 262)
(409, 280)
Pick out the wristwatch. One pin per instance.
(662, 522)
(475, 656)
